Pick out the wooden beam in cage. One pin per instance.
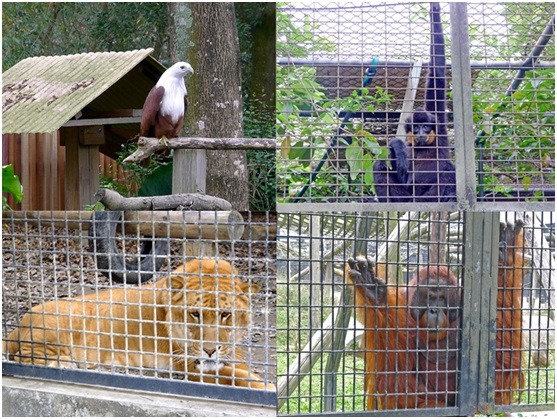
(113, 201)
(224, 225)
(409, 97)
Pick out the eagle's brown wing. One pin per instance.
(150, 109)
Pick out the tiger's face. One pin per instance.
(210, 315)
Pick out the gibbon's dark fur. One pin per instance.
(421, 169)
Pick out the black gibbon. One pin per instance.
(420, 168)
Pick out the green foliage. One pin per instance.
(305, 139)
(296, 41)
(10, 185)
(261, 164)
(136, 173)
(298, 91)
(524, 24)
(520, 129)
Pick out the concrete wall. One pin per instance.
(32, 397)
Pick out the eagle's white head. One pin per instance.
(178, 70)
(173, 77)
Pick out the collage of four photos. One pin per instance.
(278, 209)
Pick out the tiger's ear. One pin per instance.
(247, 287)
(176, 282)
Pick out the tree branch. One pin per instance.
(148, 146)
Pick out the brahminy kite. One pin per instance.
(166, 104)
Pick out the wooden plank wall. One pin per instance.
(39, 162)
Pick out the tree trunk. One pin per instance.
(263, 79)
(215, 98)
(171, 8)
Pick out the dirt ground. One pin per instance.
(46, 263)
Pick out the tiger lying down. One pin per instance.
(190, 322)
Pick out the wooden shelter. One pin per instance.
(87, 105)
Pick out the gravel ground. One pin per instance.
(42, 264)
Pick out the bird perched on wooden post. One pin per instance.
(166, 104)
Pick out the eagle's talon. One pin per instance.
(163, 140)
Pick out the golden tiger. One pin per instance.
(190, 322)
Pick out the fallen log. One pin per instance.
(149, 146)
(113, 201)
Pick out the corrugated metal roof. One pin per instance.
(40, 94)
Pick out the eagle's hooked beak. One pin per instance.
(187, 68)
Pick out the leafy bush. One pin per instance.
(304, 113)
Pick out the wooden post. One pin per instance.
(409, 97)
(189, 171)
(82, 167)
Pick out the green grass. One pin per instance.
(540, 383)
(293, 332)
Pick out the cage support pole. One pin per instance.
(438, 233)
(541, 261)
(465, 158)
(342, 322)
(316, 282)
(339, 332)
(481, 232)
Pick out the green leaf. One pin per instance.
(297, 150)
(285, 147)
(368, 170)
(526, 182)
(354, 157)
(11, 183)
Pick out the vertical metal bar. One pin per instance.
(486, 379)
(480, 288)
(462, 103)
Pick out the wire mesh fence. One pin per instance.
(350, 76)
(173, 301)
(449, 317)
